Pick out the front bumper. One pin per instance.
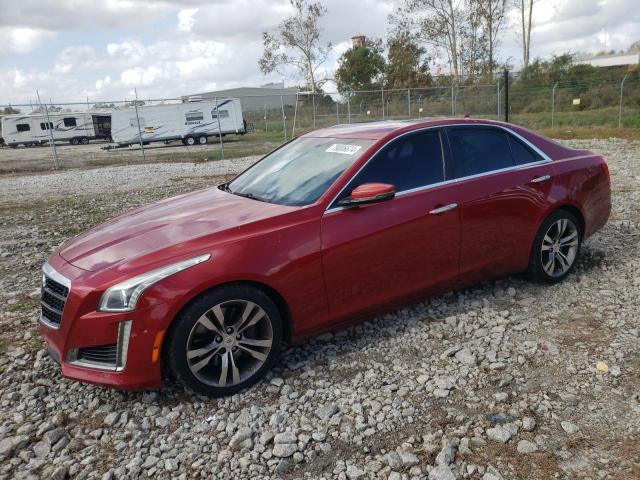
(133, 334)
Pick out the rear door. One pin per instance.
(503, 188)
(385, 251)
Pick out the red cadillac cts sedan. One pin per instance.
(331, 228)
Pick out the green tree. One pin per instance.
(408, 65)
(361, 68)
(296, 43)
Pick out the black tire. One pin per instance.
(540, 258)
(84, 141)
(176, 344)
(190, 141)
(74, 141)
(203, 140)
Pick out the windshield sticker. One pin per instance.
(346, 149)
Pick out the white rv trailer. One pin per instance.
(74, 127)
(191, 122)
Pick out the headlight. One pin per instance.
(124, 296)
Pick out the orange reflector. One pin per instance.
(155, 353)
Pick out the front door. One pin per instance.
(385, 251)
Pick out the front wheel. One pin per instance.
(190, 141)
(556, 247)
(203, 140)
(225, 340)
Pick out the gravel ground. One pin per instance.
(508, 379)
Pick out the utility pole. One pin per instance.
(506, 96)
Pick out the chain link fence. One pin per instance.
(274, 119)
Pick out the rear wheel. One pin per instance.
(74, 141)
(556, 247)
(226, 340)
(203, 140)
(190, 141)
(84, 141)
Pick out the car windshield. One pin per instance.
(299, 172)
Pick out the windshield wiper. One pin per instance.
(249, 195)
(225, 188)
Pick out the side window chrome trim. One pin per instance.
(545, 159)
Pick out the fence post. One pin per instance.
(313, 98)
(45, 112)
(498, 97)
(409, 100)
(144, 157)
(621, 101)
(215, 100)
(284, 119)
(506, 95)
(453, 108)
(337, 112)
(382, 92)
(349, 107)
(553, 105)
(295, 115)
(266, 128)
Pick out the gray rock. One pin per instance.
(569, 427)
(284, 450)
(447, 453)
(528, 424)
(498, 434)
(52, 436)
(442, 472)
(393, 460)
(285, 437)
(355, 473)
(525, 446)
(243, 434)
(409, 459)
(327, 411)
(59, 473)
(466, 357)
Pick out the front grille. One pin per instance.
(103, 354)
(53, 298)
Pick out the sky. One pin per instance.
(69, 50)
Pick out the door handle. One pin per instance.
(541, 178)
(446, 208)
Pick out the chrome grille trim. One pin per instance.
(103, 357)
(53, 296)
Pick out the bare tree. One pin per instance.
(296, 43)
(436, 23)
(492, 15)
(525, 12)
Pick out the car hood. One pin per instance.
(174, 227)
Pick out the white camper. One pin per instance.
(191, 122)
(74, 127)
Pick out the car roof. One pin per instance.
(390, 128)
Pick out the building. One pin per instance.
(358, 40)
(611, 60)
(254, 99)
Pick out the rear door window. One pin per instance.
(522, 154)
(479, 150)
(412, 161)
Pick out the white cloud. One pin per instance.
(185, 19)
(21, 39)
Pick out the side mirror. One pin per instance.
(369, 193)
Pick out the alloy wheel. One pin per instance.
(229, 343)
(559, 247)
